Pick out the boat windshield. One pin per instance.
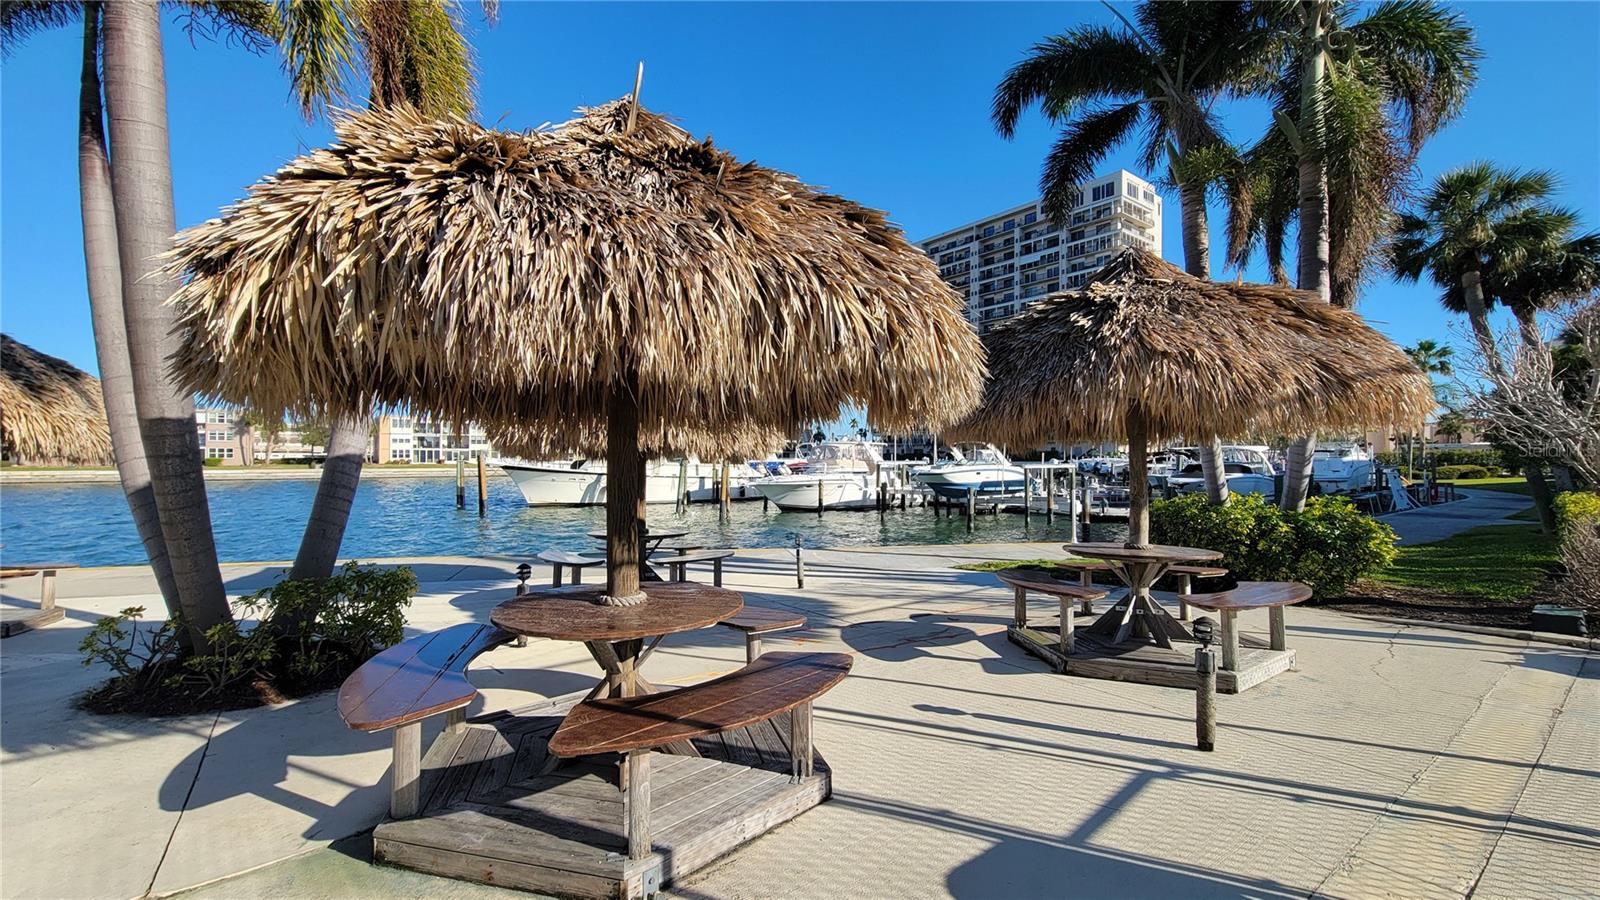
(983, 454)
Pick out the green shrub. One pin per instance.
(308, 634)
(1573, 508)
(211, 462)
(1462, 472)
(1329, 545)
(1493, 460)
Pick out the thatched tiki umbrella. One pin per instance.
(1145, 351)
(50, 410)
(611, 275)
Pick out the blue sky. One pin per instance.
(884, 103)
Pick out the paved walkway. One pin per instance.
(1398, 761)
(1435, 523)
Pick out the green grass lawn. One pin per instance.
(995, 565)
(1500, 563)
(1510, 485)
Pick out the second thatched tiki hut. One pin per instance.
(51, 412)
(611, 275)
(1146, 351)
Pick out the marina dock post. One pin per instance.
(972, 506)
(1027, 500)
(1050, 494)
(681, 502)
(483, 488)
(461, 484)
(722, 494)
(819, 495)
(799, 564)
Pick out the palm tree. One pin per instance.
(416, 56)
(1432, 358)
(248, 22)
(1355, 102)
(1481, 231)
(1156, 79)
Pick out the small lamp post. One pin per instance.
(1205, 696)
(524, 571)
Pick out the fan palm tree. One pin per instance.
(1480, 232)
(1485, 235)
(1153, 79)
(1356, 100)
(1433, 358)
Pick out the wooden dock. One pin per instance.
(492, 813)
(1093, 657)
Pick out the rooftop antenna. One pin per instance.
(633, 109)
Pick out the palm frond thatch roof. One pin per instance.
(1195, 358)
(519, 279)
(51, 412)
(736, 443)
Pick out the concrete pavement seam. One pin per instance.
(199, 766)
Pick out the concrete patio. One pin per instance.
(1398, 761)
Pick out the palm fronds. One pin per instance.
(51, 412)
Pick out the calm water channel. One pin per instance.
(89, 524)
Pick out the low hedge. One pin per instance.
(1575, 507)
(1462, 472)
(1328, 545)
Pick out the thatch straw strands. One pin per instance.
(518, 278)
(1146, 351)
(1195, 357)
(736, 444)
(611, 270)
(51, 412)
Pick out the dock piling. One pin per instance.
(972, 506)
(461, 484)
(483, 488)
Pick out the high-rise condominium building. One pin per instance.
(1001, 262)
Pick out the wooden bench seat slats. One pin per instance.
(1253, 595)
(772, 684)
(18, 571)
(702, 556)
(763, 619)
(1198, 571)
(1035, 581)
(1082, 564)
(416, 678)
(564, 558)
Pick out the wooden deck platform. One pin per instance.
(1094, 657)
(15, 621)
(491, 814)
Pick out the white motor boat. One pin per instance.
(981, 468)
(1341, 469)
(582, 482)
(1247, 466)
(836, 475)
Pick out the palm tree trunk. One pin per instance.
(1539, 490)
(624, 500)
(1533, 472)
(1478, 318)
(141, 184)
(1138, 479)
(1312, 272)
(336, 491)
(1197, 262)
(105, 308)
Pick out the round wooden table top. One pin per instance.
(1153, 553)
(649, 535)
(570, 613)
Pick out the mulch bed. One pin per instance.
(157, 699)
(1372, 599)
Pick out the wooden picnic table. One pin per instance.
(620, 638)
(1138, 616)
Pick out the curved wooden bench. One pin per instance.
(756, 621)
(409, 682)
(676, 565)
(1272, 596)
(559, 559)
(773, 684)
(1186, 576)
(25, 620)
(1024, 580)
